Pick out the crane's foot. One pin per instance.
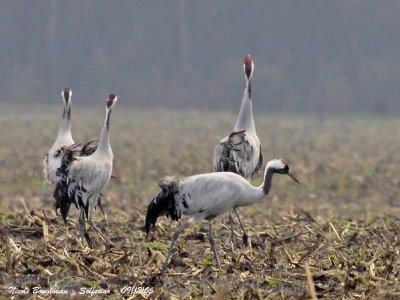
(88, 240)
(109, 243)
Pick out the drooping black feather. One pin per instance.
(235, 142)
(60, 194)
(89, 148)
(231, 162)
(61, 189)
(62, 200)
(163, 204)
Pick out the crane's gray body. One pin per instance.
(240, 152)
(209, 195)
(53, 158)
(89, 175)
(87, 178)
(83, 178)
(205, 196)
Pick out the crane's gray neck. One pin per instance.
(266, 186)
(104, 143)
(245, 119)
(65, 124)
(257, 194)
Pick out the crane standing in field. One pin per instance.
(52, 160)
(240, 152)
(63, 142)
(82, 179)
(206, 196)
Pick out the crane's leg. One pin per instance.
(232, 223)
(101, 207)
(174, 238)
(57, 204)
(90, 221)
(82, 228)
(212, 243)
(245, 237)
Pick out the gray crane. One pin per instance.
(240, 151)
(64, 142)
(206, 196)
(64, 138)
(82, 179)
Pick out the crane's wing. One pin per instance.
(70, 188)
(236, 154)
(207, 195)
(89, 148)
(71, 153)
(222, 161)
(86, 180)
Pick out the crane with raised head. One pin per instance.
(64, 139)
(64, 142)
(206, 196)
(83, 179)
(240, 151)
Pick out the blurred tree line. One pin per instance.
(320, 56)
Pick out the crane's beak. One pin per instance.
(291, 175)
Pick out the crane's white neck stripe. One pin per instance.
(276, 164)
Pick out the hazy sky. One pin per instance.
(309, 55)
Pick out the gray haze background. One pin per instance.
(319, 56)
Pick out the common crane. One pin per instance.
(82, 179)
(240, 151)
(52, 160)
(64, 142)
(206, 196)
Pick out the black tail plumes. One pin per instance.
(61, 190)
(90, 147)
(62, 200)
(164, 203)
(236, 143)
(60, 193)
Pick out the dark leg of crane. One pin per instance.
(90, 221)
(82, 227)
(101, 207)
(212, 243)
(101, 234)
(102, 211)
(171, 248)
(233, 235)
(245, 237)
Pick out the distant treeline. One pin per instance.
(320, 56)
